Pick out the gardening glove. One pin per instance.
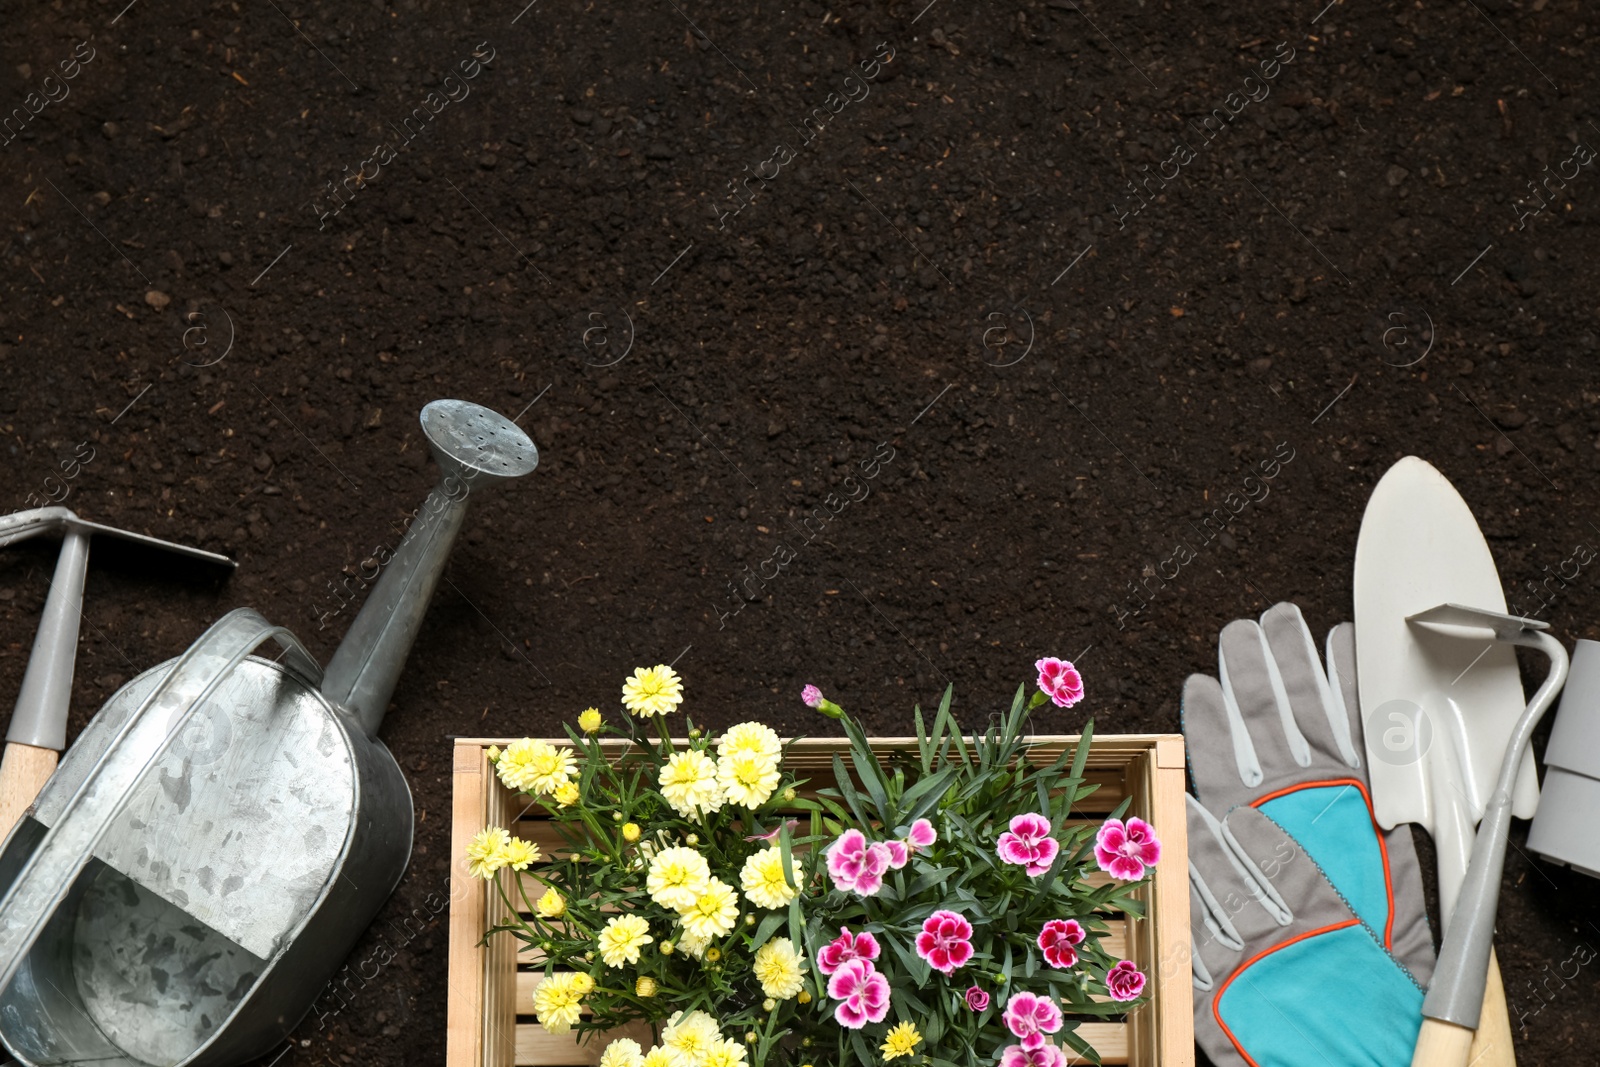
(1302, 985)
(1278, 734)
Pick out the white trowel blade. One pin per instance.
(1423, 572)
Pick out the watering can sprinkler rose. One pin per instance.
(689, 899)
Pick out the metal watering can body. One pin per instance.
(227, 826)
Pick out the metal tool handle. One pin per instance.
(1456, 993)
(21, 525)
(40, 718)
(364, 671)
(44, 882)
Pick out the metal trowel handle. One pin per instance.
(474, 447)
(1451, 1009)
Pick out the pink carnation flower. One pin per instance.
(977, 999)
(899, 853)
(1057, 940)
(1029, 1015)
(1124, 850)
(811, 696)
(855, 866)
(863, 994)
(1060, 681)
(922, 835)
(846, 947)
(1125, 981)
(945, 941)
(1028, 844)
(1040, 1055)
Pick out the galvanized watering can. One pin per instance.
(227, 825)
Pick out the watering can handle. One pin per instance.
(47, 878)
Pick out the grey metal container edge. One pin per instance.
(1564, 830)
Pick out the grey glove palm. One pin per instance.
(1277, 733)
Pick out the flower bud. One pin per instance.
(589, 722)
(804, 997)
(713, 954)
(616, 816)
(692, 840)
(789, 795)
(749, 918)
(630, 832)
(666, 948)
(768, 1004)
(751, 1038)
(645, 986)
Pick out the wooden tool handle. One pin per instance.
(1441, 1044)
(23, 772)
(1491, 1042)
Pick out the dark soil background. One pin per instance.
(951, 273)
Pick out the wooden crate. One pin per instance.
(490, 999)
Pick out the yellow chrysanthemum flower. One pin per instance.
(557, 1000)
(748, 778)
(726, 1054)
(779, 969)
(623, 1052)
(645, 987)
(538, 767)
(566, 794)
(900, 1041)
(714, 913)
(622, 938)
(518, 854)
(486, 853)
(689, 1038)
(762, 879)
(652, 691)
(552, 905)
(630, 832)
(658, 1057)
(693, 946)
(678, 876)
(751, 737)
(589, 722)
(689, 783)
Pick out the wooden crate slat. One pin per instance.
(487, 991)
(536, 1048)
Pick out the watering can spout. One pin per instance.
(473, 447)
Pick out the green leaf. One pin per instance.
(796, 926)
(847, 791)
(871, 777)
(1080, 758)
(767, 927)
(915, 965)
(920, 798)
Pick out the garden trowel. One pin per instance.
(1439, 704)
